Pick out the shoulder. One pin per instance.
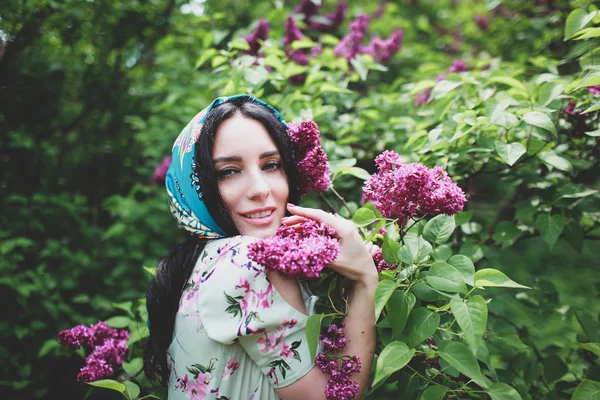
(227, 259)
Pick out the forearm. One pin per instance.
(359, 329)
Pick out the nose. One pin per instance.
(258, 187)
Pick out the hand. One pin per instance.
(355, 261)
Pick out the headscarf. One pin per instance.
(182, 180)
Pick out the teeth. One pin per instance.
(260, 214)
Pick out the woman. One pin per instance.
(221, 327)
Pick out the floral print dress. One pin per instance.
(235, 337)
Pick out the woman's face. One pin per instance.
(250, 176)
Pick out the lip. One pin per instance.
(260, 221)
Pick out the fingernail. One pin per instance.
(290, 205)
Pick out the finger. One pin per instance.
(374, 250)
(313, 213)
(295, 219)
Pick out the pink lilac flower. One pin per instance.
(572, 111)
(292, 32)
(261, 33)
(341, 389)
(316, 50)
(108, 346)
(482, 22)
(161, 170)
(351, 44)
(313, 165)
(458, 65)
(383, 50)
(594, 89)
(411, 190)
(335, 19)
(301, 250)
(423, 97)
(308, 8)
(380, 263)
(333, 339)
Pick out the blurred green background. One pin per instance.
(93, 94)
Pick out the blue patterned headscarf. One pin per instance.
(182, 180)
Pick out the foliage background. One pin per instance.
(93, 93)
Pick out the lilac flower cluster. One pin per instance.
(261, 33)
(161, 170)
(458, 65)
(482, 22)
(380, 263)
(383, 49)
(339, 386)
(595, 90)
(329, 23)
(108, 347)
(300, 250)
(313, 166)
(293, 33)
(572, 111)
(411, 190)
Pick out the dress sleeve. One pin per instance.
(238, 304)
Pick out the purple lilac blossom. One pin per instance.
(458, 65)
(333, 339)
(308, 8)
(261, 33)
(411, 190)
(315, 51)
(335, 19)
(572, 111)
(341, 389)
(161, 170)
(108, 347)
(594, 89)
(351, 44)
(292, 32)
(482, 22)
(301, 250)
(380, 263)
(382, 50)
(312, 166)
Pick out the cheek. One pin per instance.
(229, 193)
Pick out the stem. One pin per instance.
(331, 206)
(340, 198)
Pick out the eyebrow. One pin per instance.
(238, 158)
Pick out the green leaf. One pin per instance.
(471, 316)
(239, 43)
(512, 82)
(206, 55)
(444, 87)
(435, 392)
(132, 391)
(383, 291)
(458, 355)
(465, 266)
(364, 216)
(587, 33)
(421, 324)
(595, 133)
(505, 231)
(501, 391)
(109, 384)
(592, 108)
(576, 20)
(304, 43)
(489, 277)
(133, 367)
(511, 152)
(390, 249)
(463, 217)
(439, 229)
(398, 307)
(550, 227)
(587, 390)
(592, 347)
(414, 250)
(548, 92)
(443, 276)
(328, 87)
(540, 120)
(589, 325)
(392, 358)
(118, 322)
(575, 191)
(556, 161)
(554, 368)
(313, 329)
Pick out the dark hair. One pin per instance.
(164, 290)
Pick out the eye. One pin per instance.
(272, 165)
(226, 172)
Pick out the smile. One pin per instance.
(261, 214)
